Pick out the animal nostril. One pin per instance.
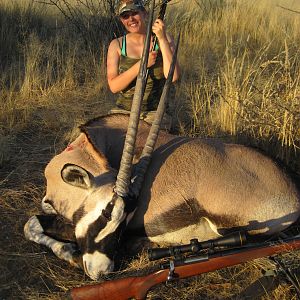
(47, 200)
(47, 206)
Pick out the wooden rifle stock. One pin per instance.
(137, 287)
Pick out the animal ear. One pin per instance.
(77, 176)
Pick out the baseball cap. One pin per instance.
(132, 5)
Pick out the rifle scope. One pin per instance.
(235, 239)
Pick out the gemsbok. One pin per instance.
(108, 181)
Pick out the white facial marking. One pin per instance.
(83, 225)
(97, 263)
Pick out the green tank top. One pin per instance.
(154, 86)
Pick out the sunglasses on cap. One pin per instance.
(127, 14)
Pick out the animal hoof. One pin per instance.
(68, 252)
(32, 228)
(71, 248)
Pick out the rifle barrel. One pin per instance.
(161, 15)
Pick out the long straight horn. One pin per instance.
(124, 175)
(141, 167)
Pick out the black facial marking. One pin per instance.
(106, 213)
(108, 245)
(50, 202)
(88, 241)
(79, 213)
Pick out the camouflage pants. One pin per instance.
(147, 116)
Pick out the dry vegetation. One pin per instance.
(240, 81)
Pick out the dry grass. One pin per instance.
(240, 81)
(241, 73)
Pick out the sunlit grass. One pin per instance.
(240, 62)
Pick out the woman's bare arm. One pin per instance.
(166, 45)
(118, 82)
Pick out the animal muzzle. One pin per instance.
(101, 240)
(97, 263)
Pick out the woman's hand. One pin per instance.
(152, 58)
(158, 28)
(166, 46)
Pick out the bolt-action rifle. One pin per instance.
(221, 253)
(161, 16)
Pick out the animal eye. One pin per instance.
(106, 214)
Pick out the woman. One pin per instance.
(123, 61)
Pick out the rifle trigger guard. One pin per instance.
(172, 275)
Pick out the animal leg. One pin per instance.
(67, 251)
(57, 227)
(203, 230)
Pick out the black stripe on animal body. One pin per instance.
(190, 212)
(78, 214)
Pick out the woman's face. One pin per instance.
(134, 21)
